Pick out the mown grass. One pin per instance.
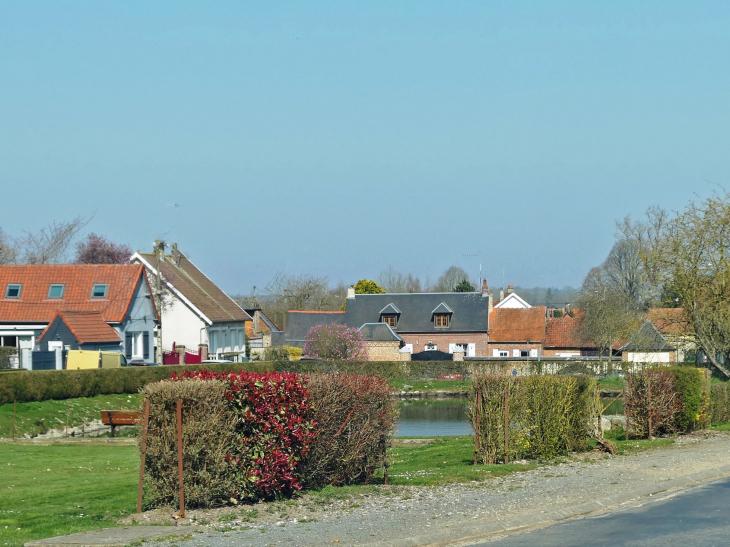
(618, 436)
(399, 384)
(38, 417)
(613, 383)
(50, 490)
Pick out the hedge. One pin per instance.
(679, 401)
(720, 403)
(5, 353)
(548, 415)
(251, 436)
(41, 385)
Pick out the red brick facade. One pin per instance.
(442, 341)
(509, 347)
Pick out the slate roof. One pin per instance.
(34, 306)
(470, 311)
(562, 332)
(389, 309)
(86, 326)
(517, 325)
(194, 285)
(379, 332)
(648, 338)
(442, 308)
(301, 321)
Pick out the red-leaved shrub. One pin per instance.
(273, 430)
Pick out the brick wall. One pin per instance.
(507, 346)
(383, 351)
(442, 341)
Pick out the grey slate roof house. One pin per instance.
(450, 322)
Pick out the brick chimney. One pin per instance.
(176, 254)
(501, 294)
(485, 289)
(491, 301)
(351, 292)
(510, 289)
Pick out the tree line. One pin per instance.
(678, 260)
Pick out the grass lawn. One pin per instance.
(613, 383)
(50, 490)
(39, 417)
(399, 384)
(618, 436)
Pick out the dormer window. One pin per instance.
(99, 290)
(442, 316)
(56, 291)
(390, 320)
(13, 290)
(441, 320)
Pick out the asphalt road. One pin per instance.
(698, 517)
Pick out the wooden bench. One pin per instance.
(114, 418)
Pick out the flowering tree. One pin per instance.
(99, 250)
(335, 342)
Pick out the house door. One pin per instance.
(25, 347)
(58, 348)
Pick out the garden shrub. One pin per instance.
(207, 430)
(720, 403)
(41, 385)
(335, 341)
(548, 415)
(679, 403)
(355, 417)
(5, 353)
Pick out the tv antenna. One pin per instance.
(177, 225)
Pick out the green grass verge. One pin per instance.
(614, 383)
(400, 384)
(38, 417)
(50, 490)
(618, 436)
(720, 427)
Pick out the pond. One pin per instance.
(433, 417)
(446, 417)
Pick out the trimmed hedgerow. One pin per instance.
(41, 385)
(274, 434)
(679, 401)
(548, 415)
(355, 417)
(720, 403)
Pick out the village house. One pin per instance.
(47, 307)
(198, 316)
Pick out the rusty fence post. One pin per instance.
(478, 431)
(648, 405)
(180, 457)
(506, 423)
(145, 424)
(627, 407)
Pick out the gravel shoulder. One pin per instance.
(473, 512)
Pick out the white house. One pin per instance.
(512, 300)
(195, 311)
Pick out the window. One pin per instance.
(99, 290)
(389, 320)
(462, 347)
(13, 290)
(56, 291)
(441, 320)
(431, 347)
(503, 353)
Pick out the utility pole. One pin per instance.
(159, 258)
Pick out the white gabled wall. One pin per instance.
(182, 326)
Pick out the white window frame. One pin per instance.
(137, 345)
(106, 291)
(53, 286)
(20, 290)
(503, 353)
(430, 347)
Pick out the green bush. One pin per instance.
(5, 354)
(693, 387)
(41, 385)
(720, 403)
(548, 415)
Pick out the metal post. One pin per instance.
(180, 457)
(506, 423)
(145, 424)
(627, 407)
(648, 405)
(66, 417)
(477, 429)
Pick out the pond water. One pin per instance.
(446, 417)
(433, 417)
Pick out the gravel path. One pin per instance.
(472, 512)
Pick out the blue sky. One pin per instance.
(339, 138)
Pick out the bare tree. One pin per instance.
(448, 280)
(392, 281)
(298, 292)
(8, 249)
(51, 244)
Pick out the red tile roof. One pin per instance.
(562, 332)
(669, 320)
(34, 306)
(517, 324)
(86, 326)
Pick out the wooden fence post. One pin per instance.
(180, 457)
(15, 406)
(478, 428)
(648, 405)
(506, 423)
(144, 453)
(627, 407)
